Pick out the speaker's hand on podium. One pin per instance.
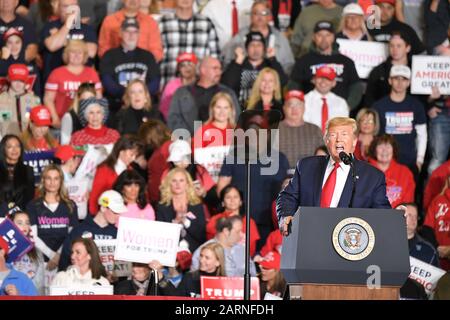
(286, 225)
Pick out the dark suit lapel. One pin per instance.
(344, 202)
(318, 180)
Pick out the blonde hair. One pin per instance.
(363, 27)
(227, 97)
(218, 251)
(62, 192)
(73, 45)
(341, 121)
(255, 95)
(27, 137)
(126, 96)
(367, 111)
(166, 192)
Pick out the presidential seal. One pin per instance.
(353, 239)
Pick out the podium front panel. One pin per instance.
(309, 256)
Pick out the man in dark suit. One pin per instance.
(327, 181)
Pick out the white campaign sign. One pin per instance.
(426, 274)
(93, 157)
(106, 249)
(211, 158)
(429, 71)
(365, 54)
(144, 240)
(81, 290)
(78, 192)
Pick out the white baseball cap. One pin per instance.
(353, 8)
(113, 200)
(179, 150)
(400, 71)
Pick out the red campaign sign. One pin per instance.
(228, 288)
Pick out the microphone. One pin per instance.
(345, 158)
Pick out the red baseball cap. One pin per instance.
(12, 32)
(297, 94)
(184, 258)
(4, 245)
(40, 116)
(18, 72)
(187, 56)
(392, 2)
(326, 72)
(65, 152)
(272, 260)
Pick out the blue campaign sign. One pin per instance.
(18, 243)
(38, 160)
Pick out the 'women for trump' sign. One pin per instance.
(143, 241)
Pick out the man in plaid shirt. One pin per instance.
(184, 31)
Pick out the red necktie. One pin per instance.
(234, 17)
(324, 114)
(328, 188)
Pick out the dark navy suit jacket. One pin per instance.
(305, 187)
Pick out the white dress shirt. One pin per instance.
(337, 107)
(341, 178)
(219, 11)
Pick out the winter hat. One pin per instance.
(84, 105)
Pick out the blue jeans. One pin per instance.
(439, 139)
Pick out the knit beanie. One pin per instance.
(85, 104)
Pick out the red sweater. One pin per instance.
(438, 218)
(254, 234)
(157, 164)
(88, 135)
(400, 185)
(104, 179)
(436, 183)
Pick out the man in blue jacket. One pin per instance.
(327, 182)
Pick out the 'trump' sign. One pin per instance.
(227, 288)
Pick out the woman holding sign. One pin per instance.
(180, 204)
(86, 267)
(31, 263)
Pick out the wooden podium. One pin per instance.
(317, 266)
(342, 292)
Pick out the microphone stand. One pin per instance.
(354, 178)
(155, 275)
(348, 160)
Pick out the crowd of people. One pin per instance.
(134, 103)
